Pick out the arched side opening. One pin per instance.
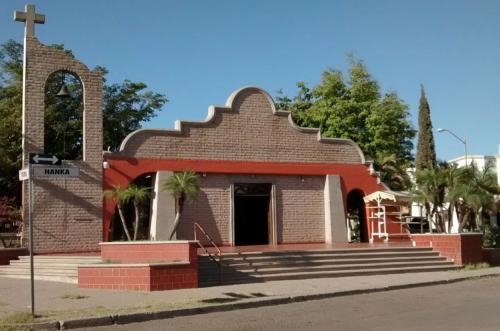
(63, 115)
(356, 216)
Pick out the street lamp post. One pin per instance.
(463, 141)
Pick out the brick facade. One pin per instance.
(67, 214)
(247, 129)
(299, 207)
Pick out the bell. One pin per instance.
(63, 92)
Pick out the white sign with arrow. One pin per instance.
(48, 159)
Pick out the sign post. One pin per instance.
(30, 221)
(47, 168)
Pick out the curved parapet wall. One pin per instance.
(247, 128)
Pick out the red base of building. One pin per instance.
(143, 266)
(460, 248)
(7, 254)
(491, 256)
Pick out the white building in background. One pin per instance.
(480, 161)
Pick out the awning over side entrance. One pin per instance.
(388, 195)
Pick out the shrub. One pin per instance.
(491, 236)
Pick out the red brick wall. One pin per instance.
(143, 278)
(149, 252)
(459, 248)
(145, 266)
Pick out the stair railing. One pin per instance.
(218, 262)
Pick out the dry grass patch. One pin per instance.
(475, 266)
(73, 296)
(13, 322)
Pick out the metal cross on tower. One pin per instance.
(30, 18)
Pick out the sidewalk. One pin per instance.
(65, 302)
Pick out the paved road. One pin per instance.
(468, 305)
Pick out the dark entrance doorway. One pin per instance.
(356, 216)
(252, 213)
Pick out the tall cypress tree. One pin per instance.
(426, 152)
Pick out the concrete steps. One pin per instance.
(271, 266)
(48, 267)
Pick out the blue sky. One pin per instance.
(198, 52)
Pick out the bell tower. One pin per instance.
(67, 212)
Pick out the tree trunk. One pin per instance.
(428, 215)
(136, 224)
(179, 206)
(463, 221)
(451, 207)
(437, 217)
(176, 224)
(122, 218)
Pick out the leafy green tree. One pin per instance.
(394, 173)
(11, 76)
(354, 108)
(426, 152)
(183, 186)
(125, 106)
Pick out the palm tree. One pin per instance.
(452, 197)
(134, 193)
(431, 191)
(183, 186)
(119, 195)
(474, 191)
(138, 195)
(469, 191)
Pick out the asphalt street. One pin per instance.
(467, 305)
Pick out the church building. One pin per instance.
(263, 179)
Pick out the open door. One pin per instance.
(253, 214)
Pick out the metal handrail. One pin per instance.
(219, 252)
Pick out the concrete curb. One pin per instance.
(254, 303)
(51, 325)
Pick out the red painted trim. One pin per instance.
(233, 167)
(122, 171)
